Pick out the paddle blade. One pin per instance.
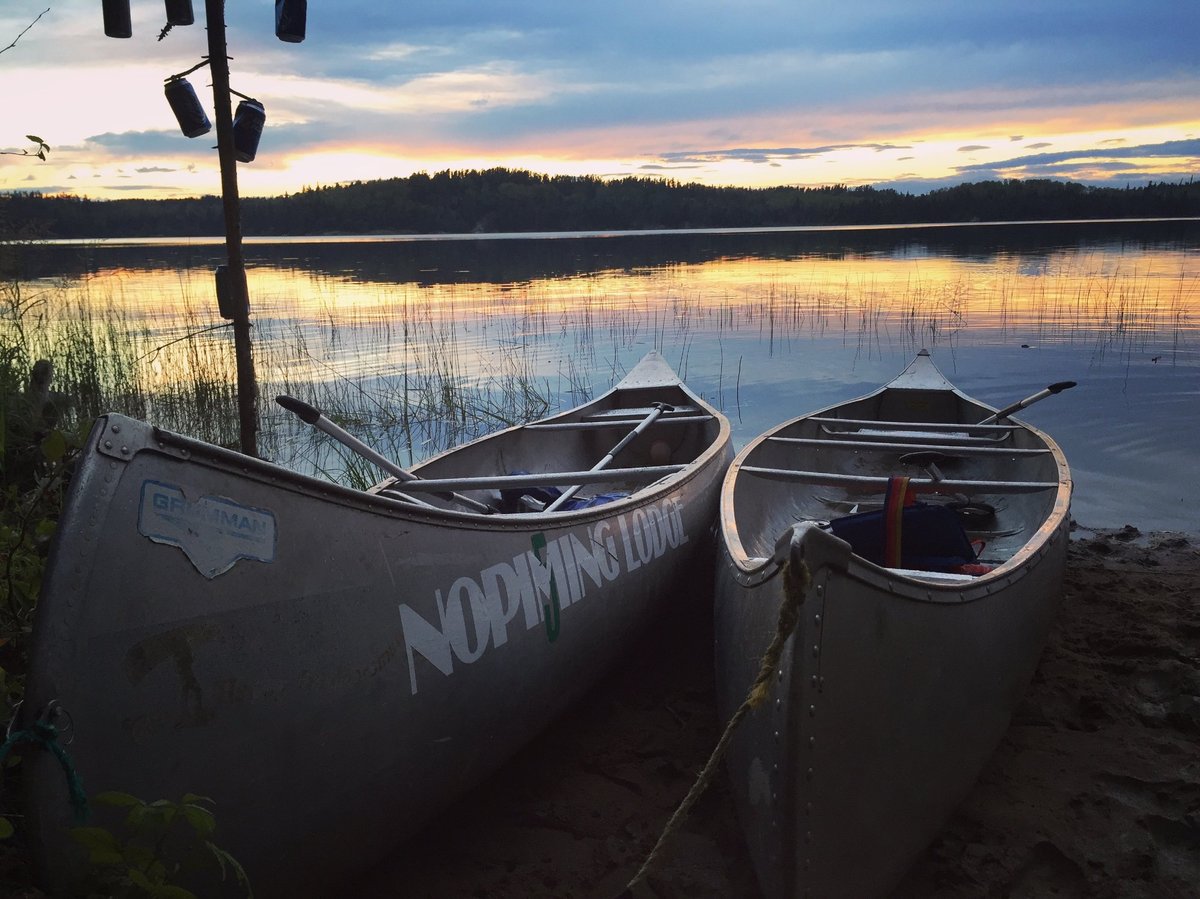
(308, 414)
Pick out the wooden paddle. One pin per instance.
(313, 416)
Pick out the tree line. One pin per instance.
(506, 200)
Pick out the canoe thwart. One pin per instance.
(957, 450)
(637, 413)
(949, 438)
(828, 479)
(541, 479)
(878, 425)
(595, 424)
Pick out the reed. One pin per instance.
(411, 387)
(414, 369)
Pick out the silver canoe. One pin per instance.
(896, 685)
(332, 666)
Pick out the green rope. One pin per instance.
(45, 735)
(796, 581)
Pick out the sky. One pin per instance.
(911, 95)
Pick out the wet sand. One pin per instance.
(1093, 792)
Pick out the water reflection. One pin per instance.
(768, 325)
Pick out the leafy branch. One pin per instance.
(22, 34)
(42, 149)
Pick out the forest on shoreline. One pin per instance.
(506, 200)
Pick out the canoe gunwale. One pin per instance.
(122, 438)
(751, 570)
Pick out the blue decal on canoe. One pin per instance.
(214, 532)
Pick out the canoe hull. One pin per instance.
(897, 684)
(330, 667)
(885, 707)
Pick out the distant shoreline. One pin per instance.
(351, 237)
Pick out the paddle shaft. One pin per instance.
(1028, 401)
(313, 416)
(659, 409)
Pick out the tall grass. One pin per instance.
(414, 369)
(408, 386)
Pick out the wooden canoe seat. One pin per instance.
(925, 485)
(957, 450)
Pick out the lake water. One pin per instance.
(766, 324)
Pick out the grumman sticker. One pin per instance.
(534, 587)
(213, 532)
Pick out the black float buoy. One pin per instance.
(116, 18)
(290, 18)
(179, 12)
(248, 121)
(193, 121)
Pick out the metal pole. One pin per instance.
(218, 62)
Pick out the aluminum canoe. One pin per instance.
(896, 685)
(333, 666)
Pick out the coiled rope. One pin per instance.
(796, 581)
(44, 733)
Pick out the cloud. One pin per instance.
(769, 83)
(143, 143)
(769, 154)
(1187, 149)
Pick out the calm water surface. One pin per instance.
(767, 325)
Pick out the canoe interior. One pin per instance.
(765, 506)
(577, 440)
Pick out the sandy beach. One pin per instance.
(1093, 792)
